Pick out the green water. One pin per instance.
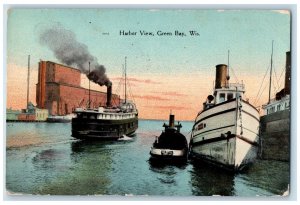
(43, 158)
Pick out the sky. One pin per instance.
(165, 72)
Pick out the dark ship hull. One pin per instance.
(171, 145)
(100, 129)
(275, 136)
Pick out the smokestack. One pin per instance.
(28, 79)
(109, 91)
(287, 84)
(221, 76)
(171, 120)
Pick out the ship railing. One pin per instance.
(239, 86)
(119, 116)
(274, 100)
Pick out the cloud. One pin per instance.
(170, 107)
(172, 94)
(151, 97)
(147, 81)
(286, 12)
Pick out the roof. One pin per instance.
(76, 69)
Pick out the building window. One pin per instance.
(229, 96)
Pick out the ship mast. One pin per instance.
(271, 73)
(28, 77)
(125, 79)
(228, 76)
(89, 104)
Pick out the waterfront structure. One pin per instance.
(226, 131)
(31, 113)
(12, 115)
(59, 90)
(41, 114)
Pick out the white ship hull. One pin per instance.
(227, 134)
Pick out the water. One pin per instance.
(43, 158)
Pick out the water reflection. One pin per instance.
(160, 164)
(266, 177)
(207, 180)
(168, 178)
(79, 146)
(88, 173)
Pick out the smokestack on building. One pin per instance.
(287, 84)
(221, 76)
(108, 95)
(28, 79)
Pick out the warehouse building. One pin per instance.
(58, 90)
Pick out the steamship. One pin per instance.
(282, 98)
(171, 144)
(275, 123)
(107, 122)
(226, 132)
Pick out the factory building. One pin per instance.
(58, 90)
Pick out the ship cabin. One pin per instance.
(128, 106)
(227, 93)
(223, 90)
(277, 105)
(125, 111)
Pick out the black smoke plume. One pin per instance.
(69, 51)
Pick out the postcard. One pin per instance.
(148, 102)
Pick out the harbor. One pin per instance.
(96, 112)
(43, 158)
(228, 141)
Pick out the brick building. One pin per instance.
(58, 90)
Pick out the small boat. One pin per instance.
(171, 144)
(60, 118)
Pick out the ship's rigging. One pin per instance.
(124, 85)
(274, 83)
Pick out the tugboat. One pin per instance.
(171, 144)
(106, 123)
(226, 131)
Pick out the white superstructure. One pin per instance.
(277, 105)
